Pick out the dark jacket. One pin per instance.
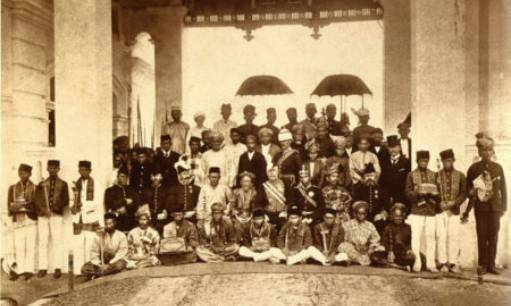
(498, 201)
(219, 234)
(393, 180)
(397, 238)
(140, 175)
(115, 198)
(334, 236)
(165, 165)
(294, 239)
(29, 192)
(182, 197)
(156, 198)
(257, 165)
(43, 201)
(304, 202)
(288, 166)
(425, 205)
(267, 231)
(453, 187)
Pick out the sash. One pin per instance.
(284, 157)
(275, 193)
(306, 196)
(449, 192)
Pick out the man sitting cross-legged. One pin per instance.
(143, 242)
(257, 239)
(108, 251)
(180, 239)
(218, 237)
(397, 238)
(328, 235)
(295, 240)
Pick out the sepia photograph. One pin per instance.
(255, 152)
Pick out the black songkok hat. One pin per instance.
(123, 170)
(294, 210)
(393, 141)
(214, 170)
(422, 155)
(258, 213)
(194, 139)
(25, 167)
(329, 211)
(165, 137)
(249, 108)
(54, 162)
(84, 164)
(110, 215)
(449, 153)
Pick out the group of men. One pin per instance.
(309, 191)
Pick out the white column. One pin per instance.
(438, 77)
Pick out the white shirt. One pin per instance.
(234, 151)
(265, 150)
(224, 128)
(210, 195)
(218, 159)
(250, 155)
(89, 210)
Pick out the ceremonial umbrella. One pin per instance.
(262, 85)
(342, 85)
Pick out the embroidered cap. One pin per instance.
(446, 154)
(84, 164)
(25, 167)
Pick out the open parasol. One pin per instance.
(262, 85)
(342, 85)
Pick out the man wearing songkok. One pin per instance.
(199, 127)
(252, 161)
(315, 164)
(180, 239)
(486, 187)
(393, 181)
(299, 141)
(397, 239)
(219, 237)
(335, 195)
(234, 151)
(194, 160)
(249, 128)
(258, 239)
(243, 200)
(86, 214)
(177, 129)
(295, 240)
(164, 161)
(325, 143)
(271, 116)
(328, 235)
(423, 196)
(185, 195)
(309, 124)
(141, 169)
(108, 251)
(365, 171)
(308, 198)
(334, 126)
(288, 161)
(363, 129)
(404, 140)
(341, 157)
(453, 192)
(21, 208)
(292, 117)
(361, 239)
(271, 196)
(224, 125)
(266, 146)
(206, 140)
(218, 157)
(211, 193)
(143, 242)
(51, 199)
(378, 147)
(155, 197)
(123, 201)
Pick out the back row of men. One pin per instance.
(259, 185)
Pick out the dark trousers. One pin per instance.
(487, 227)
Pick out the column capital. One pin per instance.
(29, 11)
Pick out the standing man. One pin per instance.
(364, 129)
(249, 128)
(86, 213)
(52, 197)
(487, 190)
(393, 181)
(365, 171)
(324, 141)
(271, 116)
(177, 129)
(422, 193)
(123, 201)
(224, 125)
(212, 192)
(199, 127)
(234, 151)
(185, 195)
(266, 146)
(140, 174)
(288, 160)
(22, 209)
(292, 117)
(404, 139)
(155, 198)
(253, 161)
(218, 157)
(164, 161)
(453, 192)
(194, 159)
(334, 126)
(310, 123)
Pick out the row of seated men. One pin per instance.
(224, 239)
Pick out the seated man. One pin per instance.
(143, 242)
(180, 239)
(257, 239)
(328, 235)
(243, 200)
(108, 251)
(295, 240)
(361, 240)
(212, 192)
(272, 198)
(397, 238)
(218, 237)
(336, 196)
(185, 194)
(308, 198)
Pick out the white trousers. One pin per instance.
(310, 252)
(447, 235)
(25, 247)
(423, 225)
(81, 249)
(261, 256)
(50, 231)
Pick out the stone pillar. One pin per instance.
(83, 77)
(438, 77)
(397, 56)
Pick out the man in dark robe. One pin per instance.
(164, 161)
